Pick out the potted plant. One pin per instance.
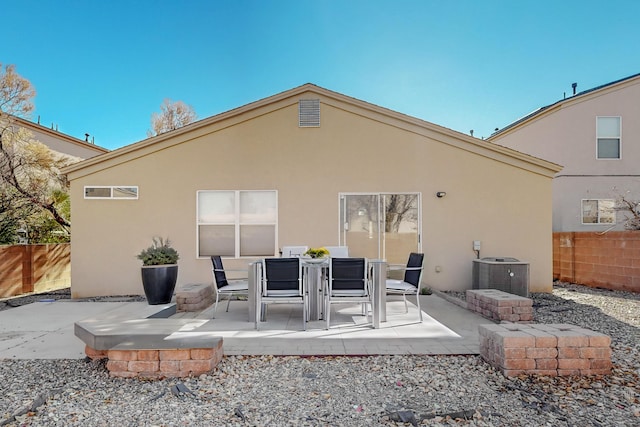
(159, 271)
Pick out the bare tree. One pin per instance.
(16, 93)
(29, 171)
(623, 204)
(173, 115)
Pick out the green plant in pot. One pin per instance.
(159, 271)
(317, 252)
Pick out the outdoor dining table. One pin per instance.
(378, 274)
(314, 274)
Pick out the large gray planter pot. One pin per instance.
(159, 282)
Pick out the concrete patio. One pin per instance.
(446, 329)
(45, 330)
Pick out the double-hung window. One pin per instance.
(608, 130)
(237, 223)
(598, 211)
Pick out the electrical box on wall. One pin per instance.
(476, 245)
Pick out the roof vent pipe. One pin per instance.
(574, 86)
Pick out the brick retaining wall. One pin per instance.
(500, 306)
(194, 297)
(157, 364)
(540, 349)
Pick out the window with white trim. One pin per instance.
(237, 223)
(598, 211)
(608, 131)
(111, 192)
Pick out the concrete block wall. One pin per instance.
(609, 260)
(551, 350)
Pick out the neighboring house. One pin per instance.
(313, 167)
(595, 135)
(60, 142)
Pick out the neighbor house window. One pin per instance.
(237, 223)
(111, 192)
(598, 211)
(608, 130)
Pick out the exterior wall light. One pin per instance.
(440, 194)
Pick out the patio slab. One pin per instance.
(446, 329)
(45, 330)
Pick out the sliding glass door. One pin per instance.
(381, 225)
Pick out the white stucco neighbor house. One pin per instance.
(313, 167)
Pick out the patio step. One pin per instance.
(151, 347)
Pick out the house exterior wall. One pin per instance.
(503, 201)
(566, 134)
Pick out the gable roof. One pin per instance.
(289, 97)
(574, 98)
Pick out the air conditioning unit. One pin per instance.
(505, 274)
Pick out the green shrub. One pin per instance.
(160, 253)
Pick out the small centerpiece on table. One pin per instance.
(316, 254)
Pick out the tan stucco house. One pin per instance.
(595, 135)
(311, 167)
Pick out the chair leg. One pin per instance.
(305, 301)
(215, 307)
(228, 302)
(418, 300)
(406, 307)
(327, 311)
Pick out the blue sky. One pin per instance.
(103, 67)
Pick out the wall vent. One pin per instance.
(309, 113)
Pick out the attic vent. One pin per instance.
(309, 113)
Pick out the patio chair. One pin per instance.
(347, 284)
(410, 284)
(224, 287)
(282, 283)
(293, 251)
(338, 251)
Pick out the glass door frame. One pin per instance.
(381, 234)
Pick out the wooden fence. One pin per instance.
(34, 268)
(607, 260)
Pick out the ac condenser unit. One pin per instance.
(505, 274)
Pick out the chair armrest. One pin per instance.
(226, 270)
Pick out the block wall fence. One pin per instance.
(608, 260)
(34, 268)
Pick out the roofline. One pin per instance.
(55, 133)
(437, 132)
(559, 103)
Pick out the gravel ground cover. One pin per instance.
(348, 391)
